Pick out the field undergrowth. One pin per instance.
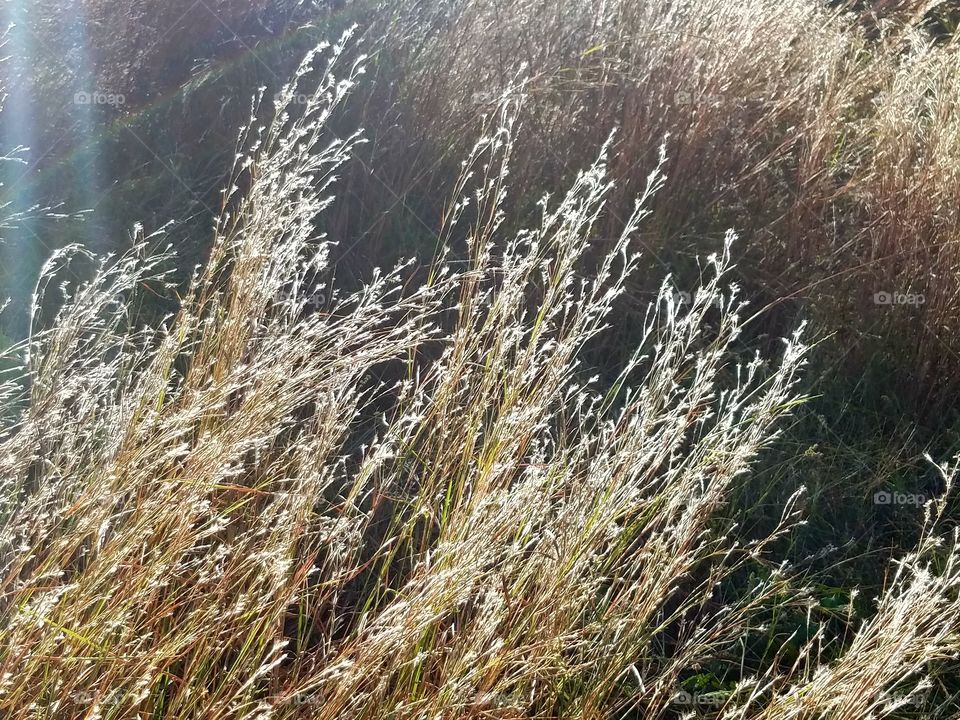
(475, 359)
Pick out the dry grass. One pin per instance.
(416, 503)
(828, 139)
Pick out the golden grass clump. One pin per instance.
(416, 503)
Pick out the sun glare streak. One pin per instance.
(86, 99)
(19, 248)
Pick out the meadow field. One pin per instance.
(479, 360)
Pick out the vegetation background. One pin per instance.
(827, 135)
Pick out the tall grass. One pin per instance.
(826, 136)
(823, 131)
(416, 503)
